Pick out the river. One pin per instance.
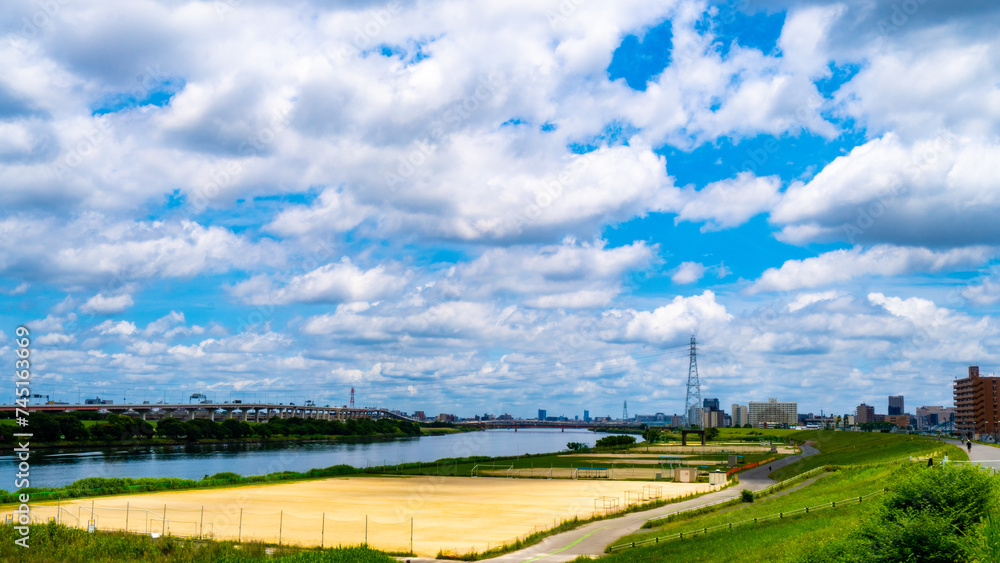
(53, 468)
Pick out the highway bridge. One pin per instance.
(251, 412)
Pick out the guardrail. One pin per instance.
(729, 526)
(757, 494)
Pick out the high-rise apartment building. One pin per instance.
(711, 404)
(541, 414)
(772, 413)
(977, 409)
(865, 414)
(740, 415)
(896, 405)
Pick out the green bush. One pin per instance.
(938, 515)
(983, 545)
(620, 440)
(746, 495)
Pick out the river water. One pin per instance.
(53, 468)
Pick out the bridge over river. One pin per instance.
(251, 412)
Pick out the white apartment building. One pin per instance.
(772, 413)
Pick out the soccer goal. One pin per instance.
(652, 492)
(605, 505)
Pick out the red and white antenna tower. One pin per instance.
(352, 397)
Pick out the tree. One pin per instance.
(576, 446)
(170, 428)
(651, 435)
(615, 441)
(711, 433)
(44, 426)
(72, 428)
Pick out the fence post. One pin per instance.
(58, 511)
(322, 532)
(164, 532)
(366, 529)
(201, 525)
(126, 517)
(281, 524)
(411, 534)
(239, 534)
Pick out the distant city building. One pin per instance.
(541, 414)
(98, 401)
(929, 416)
(443, 417)
(772, 413)
(676, 420)
(865, 414)
(899, 420)
(419, 415)
(896, 405)
(586, 416)
(740, 415)
(715, 418)
(658, 418)
(711, 404)
(694, 415)
(977, 410)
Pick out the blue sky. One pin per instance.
(483, 207)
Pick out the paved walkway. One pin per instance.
(980, 453)
(592, 538)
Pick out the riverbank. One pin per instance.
(273, 440)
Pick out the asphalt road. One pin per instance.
(988, 456)
(592, 538)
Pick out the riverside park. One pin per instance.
(798, 495)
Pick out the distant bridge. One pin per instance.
(506, 424)
(255, 412)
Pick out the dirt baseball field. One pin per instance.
(456, 514)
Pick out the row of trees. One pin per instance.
(118, 428)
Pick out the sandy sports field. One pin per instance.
(456, 514)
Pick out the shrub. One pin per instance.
(924, 519)
(983, 545)
(615, 441)
(746, 495)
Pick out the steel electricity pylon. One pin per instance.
(693, 399)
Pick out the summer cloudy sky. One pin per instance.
(501, 206)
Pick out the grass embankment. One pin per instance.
(871, 462)
(864, 448)
(837, 486)
(56, 543)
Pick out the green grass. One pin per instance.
(773, 541)
(55, 543)
(837, 486)
(863, 448)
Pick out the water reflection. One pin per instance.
(50, 468)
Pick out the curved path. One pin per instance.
(982, 454)
(592, 538)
